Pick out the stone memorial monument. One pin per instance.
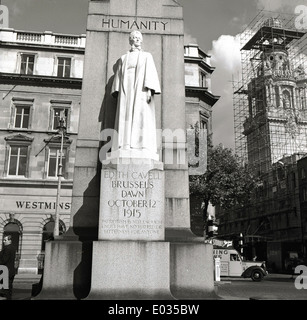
(134, 84)
(132, 190)
(130, 234)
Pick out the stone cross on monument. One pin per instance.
(130, 234)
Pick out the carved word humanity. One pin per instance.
(132, 24)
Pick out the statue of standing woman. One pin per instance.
(135, 84)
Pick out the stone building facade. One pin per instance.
(40, 81)
(199, 105)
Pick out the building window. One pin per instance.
(203, 82)
(280, 173)
(203, 124)
(59, 109)
(260, 98)
(286, 100)
(18, 157)
(277, 96)
(293, 180)
(59, 113)
(54, 160)
(303, 174)
(22, 114)
(303, 103)
(52, 157)
(27, 64)
(64, 67)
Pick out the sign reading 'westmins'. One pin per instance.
(42, 205)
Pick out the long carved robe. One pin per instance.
(135, 118)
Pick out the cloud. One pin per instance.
(277, 5)
(226, 58)
(16, 8)
(236, 21)
(189, 39)
(226, 53)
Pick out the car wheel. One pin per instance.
(256, 275)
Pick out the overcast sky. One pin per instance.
(215, 25)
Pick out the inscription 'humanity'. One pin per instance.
(133, 24)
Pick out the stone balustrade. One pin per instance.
(42, 38)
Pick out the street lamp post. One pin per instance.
(61, 129)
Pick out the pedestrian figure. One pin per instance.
(7, 258)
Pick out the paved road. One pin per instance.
(22, 286)
(272, 287)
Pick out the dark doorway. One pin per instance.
(14, 230)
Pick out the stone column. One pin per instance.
(109, 25)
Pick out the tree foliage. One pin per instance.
(225, 183)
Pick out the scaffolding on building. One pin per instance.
(265, 137)
(270, 126)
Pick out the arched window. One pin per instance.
(286, 99)
(48, 231)
(13, 229)
(277, 96)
